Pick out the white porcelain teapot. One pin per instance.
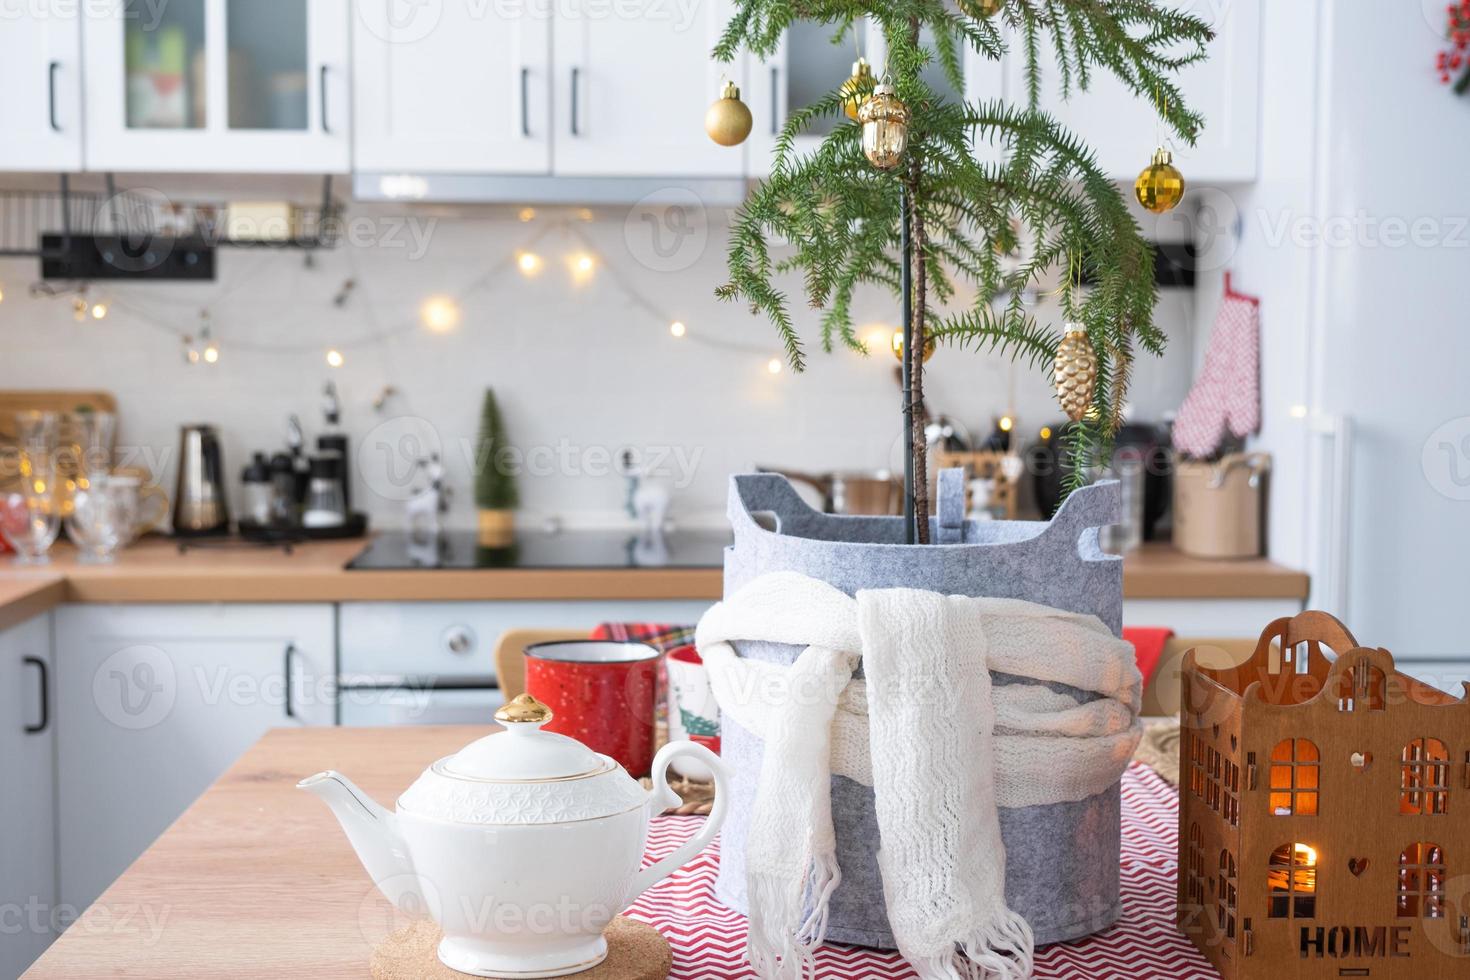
(523, 845)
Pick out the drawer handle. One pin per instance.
(45, 721)
(286, 673)
(51, 71)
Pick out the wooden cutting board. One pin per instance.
(62, 402)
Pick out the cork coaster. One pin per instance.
(635, 951)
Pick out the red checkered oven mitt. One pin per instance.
(1227, 395)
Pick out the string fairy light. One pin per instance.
(441, 313)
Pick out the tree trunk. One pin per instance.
(915, 353)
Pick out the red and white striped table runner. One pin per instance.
(708, 939)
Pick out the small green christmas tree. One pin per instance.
(947, 217)
(495, 484)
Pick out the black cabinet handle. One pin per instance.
(45, 721)
(51, 71)
(322, 97)
(286, 674)
(525, 106)
(775, 96)
(576, 79)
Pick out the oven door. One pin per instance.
(420, 703)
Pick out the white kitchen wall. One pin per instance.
(1357, 238)
(581, 370)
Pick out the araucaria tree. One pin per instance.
(839, 221)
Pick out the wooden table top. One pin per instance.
(256, 879)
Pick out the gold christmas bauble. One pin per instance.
(1075, 372)
(885, 122)
(727, 120)
(981, 8)
(1160, 187)
(929, 346)
(852, 89)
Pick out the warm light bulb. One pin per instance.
(581, 265)
(334, 358)
(440, 314)
(1045, 432)
(528, 214)
(2, 295)
(211, 354)
(585, 214)
(1006, 423)
(677, 329)
(192, 355)
(774, 365)
(529, 262)
(99, 311)
(1308, 854)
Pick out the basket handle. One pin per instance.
(755, 493)
(1084, 511)
(952, 506)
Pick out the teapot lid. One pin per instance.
(523, 752)
(523, 776)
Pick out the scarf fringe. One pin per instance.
(777, 951)
(1004, 949)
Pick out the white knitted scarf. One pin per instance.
(941, 747)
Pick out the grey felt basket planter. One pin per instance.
(1061, 859)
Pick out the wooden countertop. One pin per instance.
(155, 571)
(256, 879)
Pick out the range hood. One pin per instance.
(407, 188)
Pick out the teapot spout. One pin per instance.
(373, 833)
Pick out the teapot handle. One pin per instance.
(663, 796)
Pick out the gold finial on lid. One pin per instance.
(523, 708)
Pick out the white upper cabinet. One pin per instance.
(1123, 129)
(451, 87)
(630, 87)
(236, 86)
(41, 76)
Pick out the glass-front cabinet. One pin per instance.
(808, 65)
(219, 85)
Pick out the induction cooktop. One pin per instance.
(539, 549)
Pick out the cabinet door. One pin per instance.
(237, 86)
(631, 86)
(41, 76)
(450, 88)
(154, 702)
(1123, 129)
(27, 814)
(808, 66)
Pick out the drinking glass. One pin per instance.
(91, 445)
(102, 519)
(31, 516)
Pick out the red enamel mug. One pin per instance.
(601, 692)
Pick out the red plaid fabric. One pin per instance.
(663, 636)
(1227, 394)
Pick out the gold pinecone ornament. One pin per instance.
(852, 89)
(885, 122)
(1075, 372)
(727, 120)
(1160, 187)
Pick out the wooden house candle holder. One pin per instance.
(1324, 817)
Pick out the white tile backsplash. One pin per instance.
(580, 370)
